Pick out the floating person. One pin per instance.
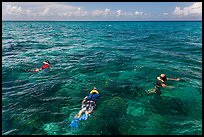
(88, 105)
(161, 82)
(46, 64)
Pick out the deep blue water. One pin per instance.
(121, 59)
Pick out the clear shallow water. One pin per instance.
(121, 59)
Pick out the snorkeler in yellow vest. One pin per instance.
(89, 103)
(161, 82)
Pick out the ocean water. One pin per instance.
(121, 59)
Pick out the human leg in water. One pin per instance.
(155, 90)
(80, 113)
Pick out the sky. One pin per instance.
(101, 11)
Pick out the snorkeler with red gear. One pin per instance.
(46, 64)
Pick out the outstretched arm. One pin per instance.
(176, 79)
(169, 87)
(34, 70)
(39, 69)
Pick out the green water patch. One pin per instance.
(52, 129)
(107, 119)
(121, 59)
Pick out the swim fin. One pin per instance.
(84, 117)
(74, 123)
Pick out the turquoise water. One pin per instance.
(121, 59)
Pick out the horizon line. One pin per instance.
(97, 20)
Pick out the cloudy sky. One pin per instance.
(101, 11)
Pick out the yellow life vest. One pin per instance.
(94, 91)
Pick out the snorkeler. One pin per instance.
(46, 64)
(89, 103)
(160, 82)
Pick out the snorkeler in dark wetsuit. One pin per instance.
(161, 82)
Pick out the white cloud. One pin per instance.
(27, 10)
(97, 13)
(100, 13)
(107, 11)
(165, 13)
(16, 10)
(57, 11)
(137, 13)
(45, 12)
(129, 14)
(119, 12)
(63, 11)
(195, 10)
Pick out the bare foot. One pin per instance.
(150, 91)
